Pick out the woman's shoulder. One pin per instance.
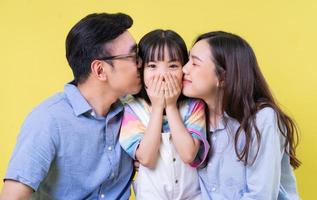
(265, 114)
(266, 118)
(268, 125)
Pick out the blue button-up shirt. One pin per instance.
(269, 178)
(66, 151)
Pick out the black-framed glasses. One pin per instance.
(131, 56)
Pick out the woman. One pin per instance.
(252, 139)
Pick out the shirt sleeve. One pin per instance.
(195, 123)
(132, 131)
(34, 151)
(263, 176)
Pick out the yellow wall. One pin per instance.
(282, 33)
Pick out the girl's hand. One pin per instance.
(155, 92)
(172, 89)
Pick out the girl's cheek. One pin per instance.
(179, 77)
(148, 78)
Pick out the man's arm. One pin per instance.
(13, 190)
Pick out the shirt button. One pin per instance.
(213, 189)
(102, 196)
(176, 181)
(109, 148)
(174, 159)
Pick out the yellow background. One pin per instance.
(282, 33)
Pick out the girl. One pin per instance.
(161, 129)
(252, 139)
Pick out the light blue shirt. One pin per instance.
(65, 151)
(270, 177)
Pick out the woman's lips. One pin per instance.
(185, 81)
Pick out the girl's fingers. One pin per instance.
(176, 82)
(167, 91)
(170, 84)
(159, 85)
(154, 84)
(162, 89)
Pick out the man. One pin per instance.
(68, 145)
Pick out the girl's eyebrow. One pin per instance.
(170, 61)
(173, 60)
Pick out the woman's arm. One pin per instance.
(263, 177)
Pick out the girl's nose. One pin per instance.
(163, 71)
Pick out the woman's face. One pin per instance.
(200, 78)
(156, 68)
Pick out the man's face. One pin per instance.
(124, 78)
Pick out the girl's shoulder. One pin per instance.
(189, 106)
(130, 100)
(126, 99)
(137, 105)
(190, 102)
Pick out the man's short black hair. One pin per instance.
(86, 40)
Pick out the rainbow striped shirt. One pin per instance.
(137, 116)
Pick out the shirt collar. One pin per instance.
(115, 108)
(81, 106)
(76, 99)
(222, 123)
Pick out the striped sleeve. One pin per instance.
(132, 131)
(195, 123)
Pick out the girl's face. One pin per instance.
(200, 78)
(156, 68)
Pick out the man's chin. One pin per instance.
(135, 90)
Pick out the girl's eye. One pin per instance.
(173, 66)
(151, 66)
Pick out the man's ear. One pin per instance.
(98, 69)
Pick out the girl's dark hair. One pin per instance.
(151, 48)
(245, 92)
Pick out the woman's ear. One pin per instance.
(222, 80)
(98, 69)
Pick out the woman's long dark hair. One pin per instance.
(151, 48)
(245, 92)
